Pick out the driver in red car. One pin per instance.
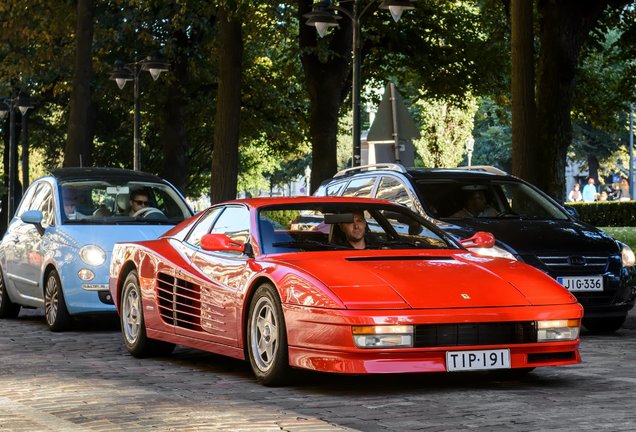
(355, 231)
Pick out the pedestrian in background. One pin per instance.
(575, 194)
(623, 191)
(589, 191)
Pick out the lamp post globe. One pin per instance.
(323, 16)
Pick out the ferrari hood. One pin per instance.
(425, 281)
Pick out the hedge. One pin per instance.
(607, 213)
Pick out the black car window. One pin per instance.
(234, 222)
(335, 189)
(360, 187)
(394, 190)
(202, 227)
(504, 199)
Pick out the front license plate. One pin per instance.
(581, 283)
(477, 360)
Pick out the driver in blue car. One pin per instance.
(138, 200)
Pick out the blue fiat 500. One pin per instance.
(56, 251)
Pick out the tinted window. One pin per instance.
(394, 190)
(360, 187)
(335, 189)
(502, 199)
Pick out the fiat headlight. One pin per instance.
(92, 255)
(392, 336)
(558, 330)
(627, 256)
(493, 252)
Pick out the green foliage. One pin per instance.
(626, 235)
(493, 135)
(607, 213)
(445, 132)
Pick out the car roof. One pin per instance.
(479, 171)
(263, 202)
(93, 173)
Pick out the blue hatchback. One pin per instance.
(56, 251)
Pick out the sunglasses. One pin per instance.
(141, 203)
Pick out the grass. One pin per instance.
(625, 234)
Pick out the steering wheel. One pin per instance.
(147, 211)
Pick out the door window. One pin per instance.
(360, 187)
(394, 190)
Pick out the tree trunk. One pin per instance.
(174, 139)
(524, 148)
(565, 25)
(226, 125)
(78, 151)
(327, 81)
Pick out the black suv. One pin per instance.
(529, 226)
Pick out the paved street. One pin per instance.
(85, 381)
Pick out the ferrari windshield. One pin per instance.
(496, 199)
(333, 226)
(102, 202)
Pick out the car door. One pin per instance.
(228, 271)
(25, 260)
(36, 245)
(14, 252)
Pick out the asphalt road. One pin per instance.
(84, 380)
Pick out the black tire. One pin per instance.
(267, 338)
(8, 309)
(604, 325)
(55, 311)
(133, 327)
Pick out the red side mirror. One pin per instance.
(220, 242)
(480, 239)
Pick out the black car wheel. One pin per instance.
(267, 337)
(55, 311)
(133, 327)
(604, 325)
(8, 309)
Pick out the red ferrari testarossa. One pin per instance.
(341, 285)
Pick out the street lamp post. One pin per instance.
(8, 105)
(631, 152)
(470, 146)
(124, 72)
(323, 17)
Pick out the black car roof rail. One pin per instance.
(382, 166)
(484, 168)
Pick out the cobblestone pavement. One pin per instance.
(84, 380)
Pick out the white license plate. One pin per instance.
(477, 360)
(581, 283)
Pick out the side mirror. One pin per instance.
(33, 217)
(480, 239)
(221, 243)
(571, 211)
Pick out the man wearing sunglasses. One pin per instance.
(138, 200)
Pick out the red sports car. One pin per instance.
(342, 285)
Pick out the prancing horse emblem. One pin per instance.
(465, 296)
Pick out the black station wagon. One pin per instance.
(528, 225)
